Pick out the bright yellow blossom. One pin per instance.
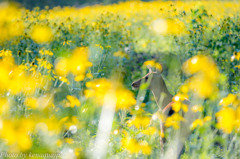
(4, 105)
(197, 108)
(76, 64)
(168, 26)
(100, 87)
(178, 105)
(41, 34)
(230, 99)
(134, 147)
(131, 145)
(236, 56)
(73, 101)
(150, 131)
(174, 121)
(139, 122)
(5, 53)
(16, 134)
(153, 64)
(226, 119)
(46, 52)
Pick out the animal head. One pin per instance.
(153, 78)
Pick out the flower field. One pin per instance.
(66, 80)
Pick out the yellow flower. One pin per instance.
(161, 134)
(202, 87)
(134, 147)
(121, 54)
(15, 133)
(237, 121)
(145, 148)
(226, 119)
(196, 123)
(154, 64)
(236, 56)
(50, 126)
(139, 122)
(46, 52)
(100, 87)
(89, 75)
(41, 34)
(150, 131)
(73, 101)
(61, 66)
(125, 98)
(174, 121)
(77, 64)
(69, 140)
(4, 106)
(131, 145)
(203, 65)
(168, 26)
(230, 99)
(31, 102)
(197, 108)
(207, 118)
(5, 53)
(178, 105)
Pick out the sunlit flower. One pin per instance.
(16, 133)
(134, 147)
(178, 105)
(76, 64)
(41, 34)
(131, 145)
(4, 105)
(46, 52)
(230, 99)
(236, 56)
(73, 101)
(168, 26)
(139, 122)
(226, 119)
(145, 148)
(196, 123)
(120, 54)
(153, 64)
(5, 53)
(150, 131)
(197, 108)
(100, 87)
(174, 121)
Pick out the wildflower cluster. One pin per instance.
(57, 66)
(76, 64)
(229, 115)
(100, 87)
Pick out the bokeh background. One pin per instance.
(66, 74)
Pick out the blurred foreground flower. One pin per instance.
(153, 64)
(133, 146)
(15, 80)
(205, 76)
(200, 122)
(100, 87)
(168, 27)
(76, 64)
(139, 122)
(228, 118)
(10, 23)
(41, 34)
(16, 134)
(174, 121)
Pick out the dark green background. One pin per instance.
(30, 4)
